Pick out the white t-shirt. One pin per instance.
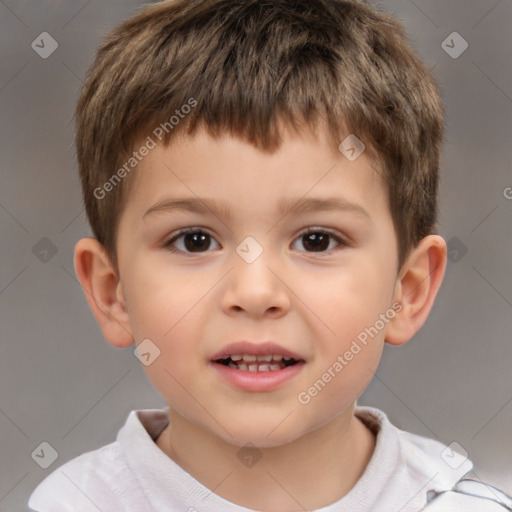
(407, 473)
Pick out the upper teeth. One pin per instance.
(251, 358)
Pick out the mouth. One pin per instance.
(260, 363)
(262, 366)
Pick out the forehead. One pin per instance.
(238, 177)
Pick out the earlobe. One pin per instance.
(100, 284)
(416, 288)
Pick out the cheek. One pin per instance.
(167, 308)
(345, 320)
(159, 300)
(341, 374)
(174, 329)
(343, 303)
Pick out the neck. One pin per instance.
(329, 460)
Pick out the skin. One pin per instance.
(191, 305)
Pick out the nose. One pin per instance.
(255, 289)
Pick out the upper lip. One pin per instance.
(257, 349)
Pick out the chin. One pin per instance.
(261, 434)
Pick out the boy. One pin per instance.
(261, 180)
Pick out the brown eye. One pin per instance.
(317, 241)
(191, 241)
(197, 242)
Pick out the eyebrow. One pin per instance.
(285, 206)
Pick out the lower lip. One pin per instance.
(258, 381)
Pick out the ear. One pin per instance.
(103, 291)
(416, 288)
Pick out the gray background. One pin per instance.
(63, 384)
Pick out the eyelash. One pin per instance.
(195, 230)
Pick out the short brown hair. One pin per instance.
(248, 65)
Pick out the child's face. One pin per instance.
(193, 305)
